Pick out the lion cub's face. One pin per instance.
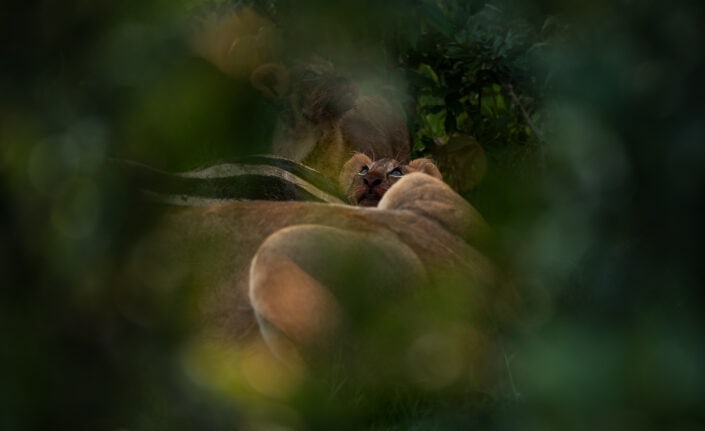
(373, 180)
(366, 181)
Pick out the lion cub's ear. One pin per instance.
(426, 166)
(351, 168)
(272, 80)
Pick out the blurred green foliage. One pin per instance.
(590, 118)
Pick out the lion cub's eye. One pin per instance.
(396, 172)
(364, 170)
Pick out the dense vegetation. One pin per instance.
(575, 127)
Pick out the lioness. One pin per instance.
(322, 118)
(297, 275)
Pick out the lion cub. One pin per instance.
(365, 181)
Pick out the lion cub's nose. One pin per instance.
(372, 180)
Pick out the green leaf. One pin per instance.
(429, 100)
(436, 124)
(463, 122)
(427, 71)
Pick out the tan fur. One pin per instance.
(285, 268)
(308, 262)
(312, 98)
